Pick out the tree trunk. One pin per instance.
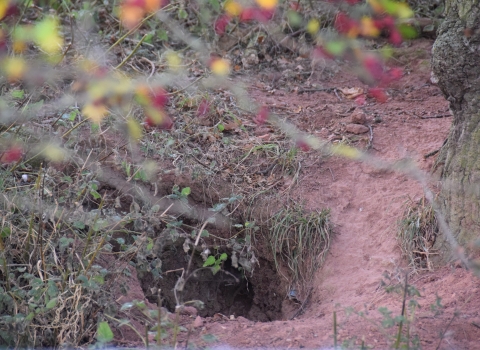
(456, 64)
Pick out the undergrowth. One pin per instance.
(300, 241)
(417, 232)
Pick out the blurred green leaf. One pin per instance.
(104, 333)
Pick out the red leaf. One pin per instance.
(164, 123)
(395, 38)
(136, 3)
(360, 100)
(295, 6)
(320, 52)
(203, 108)
(248, 14)
(303, 145)
(12, 155)
(265, 15)
(221, 24)
(374, 67)
(343, 23)
(395, 73)
(261, 116)
(378, 94)
(253, 13)
(159, 97)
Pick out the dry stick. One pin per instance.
(370, 140)
(185, 274)
(335, 330)
(146, 334)
(445, 331)
(127, 324)
(400, 327)
(69, 45)
(176, 328)
(132, 53)
(159, 319)
(437, 116)
(41, 224)
(432, 153)
(74, 127)
(130, 32)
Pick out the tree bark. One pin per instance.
(456, 64)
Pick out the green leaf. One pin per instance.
(220, 127)
(407, 32)
(209, 338)
(95, 194)
(99, 279)
(79, 224)
(223, 257)
(18, 94)
(215, 269)
(150, 244)
(186, 191)
(5, 232)
(215, 4)
(104, 333)
(210, 261)
(182, 14)
(162, 35)
(51, 304)
(148, 38)
(336, 48)
(294, 19)
(46, 35)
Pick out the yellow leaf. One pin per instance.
(403, 10)
(3, 8)
(134, 129)
(220, 67)
(20, 36)
(375, 5)
(142, 94)
(14, 68)
(19, 46)
(54, 153)
(313, 26)
(151, 168)
(47, 37)
(173, 60)
(267, 4)
(233, 8)
(346, 151)
(156, 116)
(96, 112)
(368, 27)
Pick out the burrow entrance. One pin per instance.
(257, 296)
(246, 283)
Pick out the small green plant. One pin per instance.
(177, 194)
(215, 263)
